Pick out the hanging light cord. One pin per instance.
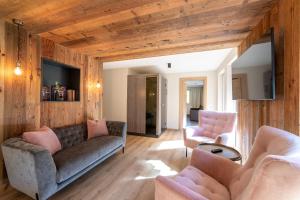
(30, 56)
(18, 42)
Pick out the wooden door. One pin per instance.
(164, 103)
(140, 106)
(136, 104)
(131, 104)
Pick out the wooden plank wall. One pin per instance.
(2, 56)
(284, 111)
(20, 106)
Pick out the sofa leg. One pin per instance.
(36, 196)
(186, 152)
(123, 150)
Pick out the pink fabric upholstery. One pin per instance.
(96, 128)
(214, 127)
(44, 137)
(272, 172)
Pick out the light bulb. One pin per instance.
(18, 69)
(98, 85)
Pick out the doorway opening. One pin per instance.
(193, 97)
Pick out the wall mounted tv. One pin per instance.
(253, 73)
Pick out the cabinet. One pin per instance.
(146, 104)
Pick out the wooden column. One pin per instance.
(284, 111)
(2, 61)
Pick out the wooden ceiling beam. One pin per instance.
(144, 15)
(172, 51)
(132, 13)
(168, 19)
(212, 40)
(192, 33)
(114, 28)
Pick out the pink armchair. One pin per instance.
(272, 172)
(214, 127)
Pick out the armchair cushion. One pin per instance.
(201, 183)
(195, 135)
(214, 127)
(191, 183)
(193, 142)
(219, 168)
(167, 188)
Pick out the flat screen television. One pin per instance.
(253, 73)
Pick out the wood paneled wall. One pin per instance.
(20, 106)
(56, 114)
(284, 111)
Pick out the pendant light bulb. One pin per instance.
(98, 85)
(18, 69)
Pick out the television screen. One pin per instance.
(253, 73)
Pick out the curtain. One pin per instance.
(195, 97)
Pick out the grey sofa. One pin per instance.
(34, 171)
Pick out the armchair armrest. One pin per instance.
(30, 168)
(221, 169)
(226, 139)
(191, 131)
(168, 189)
(223, 138)
(117, 129)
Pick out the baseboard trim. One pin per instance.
(143, 135)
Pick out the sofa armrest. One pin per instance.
(117, 129)
(168, 189)
(221, 169)
(30, 168)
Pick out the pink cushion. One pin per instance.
(44, 137)
(201, 183)
(191, 183)
(96, 128)
(216, 123)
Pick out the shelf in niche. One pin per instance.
(59, 81)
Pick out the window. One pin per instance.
(188, 97)
(223, 92)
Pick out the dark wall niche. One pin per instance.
(60, 82)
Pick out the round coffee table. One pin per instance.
(227, 152)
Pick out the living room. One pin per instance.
(94, 101)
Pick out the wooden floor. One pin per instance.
(126, 176)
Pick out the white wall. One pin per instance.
(173, 94)
(226, 69)
(115, 94)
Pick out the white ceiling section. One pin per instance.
(194, 83)
(181, 63)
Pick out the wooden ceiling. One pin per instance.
(123, 29)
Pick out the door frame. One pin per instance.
(182, 96)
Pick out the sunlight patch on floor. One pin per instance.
(166, 145)
(160, 167)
